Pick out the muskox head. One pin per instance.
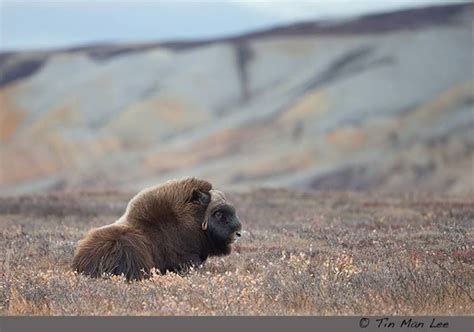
(221, 224)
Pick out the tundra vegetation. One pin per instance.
(300, 254)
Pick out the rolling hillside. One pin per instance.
(383, 102)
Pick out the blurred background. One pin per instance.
(313, 95)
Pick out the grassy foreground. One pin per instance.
(301, 254)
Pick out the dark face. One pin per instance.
(224, 225)
(219, 222)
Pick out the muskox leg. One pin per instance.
(196, 260)
(183, 268)
(114, 250)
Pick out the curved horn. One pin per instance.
(204, 225)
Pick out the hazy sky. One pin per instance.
(59, 23)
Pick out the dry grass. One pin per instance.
(301, 254)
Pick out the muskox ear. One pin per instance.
(201, 197)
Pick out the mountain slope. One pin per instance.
(383, 102)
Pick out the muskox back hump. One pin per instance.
(115, 249)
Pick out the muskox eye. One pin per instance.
(218, 215)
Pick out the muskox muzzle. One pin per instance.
(237, 227)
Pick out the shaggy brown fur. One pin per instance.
(162, 228)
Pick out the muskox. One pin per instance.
(168, 227)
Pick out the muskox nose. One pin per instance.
(238, 228)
